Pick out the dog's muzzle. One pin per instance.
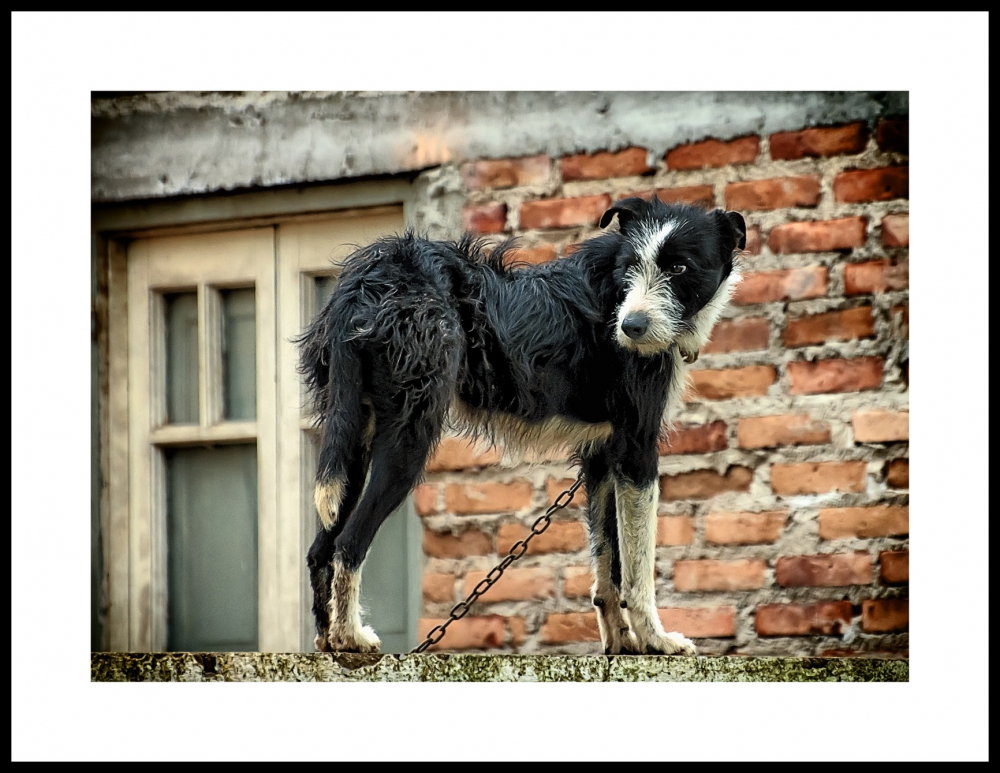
(635, 325)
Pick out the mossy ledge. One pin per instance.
(316, 667)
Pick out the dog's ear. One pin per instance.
(733, 226)
(626, 209)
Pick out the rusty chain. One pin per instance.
(518, 549)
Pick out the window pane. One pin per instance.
(324, 289)
(212, 548)
(182, 357)
(239, 354)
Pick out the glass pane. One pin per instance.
(324, 289)
(239, 354)
(182, 357)
(212, 548)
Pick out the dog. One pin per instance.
(589, 352)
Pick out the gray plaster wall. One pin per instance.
(155, 145)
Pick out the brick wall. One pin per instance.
(783, 517)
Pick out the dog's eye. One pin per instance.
(677, 269)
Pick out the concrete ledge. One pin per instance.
(316, 667)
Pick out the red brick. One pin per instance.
(518, 628)
(708, 575)
(828, 570)
(847, 325)
(560, 537)
(819, 142)
(808, 378)
(562, 213)
(893, 135)
(738, 335)
(744, 528)
(754, 240)
(570, 626)
(439, 587)
(468, 543)
(817, 477)
(864, 522)
(698, 195)
(776, 193)
(578, 581)
(818, 235)
(556, 486)
(506, 172)
(714, 153)
(674, 530)
(425, 497)
(704, 484)
(485, 218)
(788, 430)
(533, 256)
(885, 615)
(459, 454)
(753, 380)
(881, 426)
(598, 166)
(858, 185)
(897, 473)
(701, 439)
(487, 497)
(469, 633)
(895, 566)
(789, 284)
(827, 618)
(876, 276)
(896, 230)
(699, 623)
(515, 585)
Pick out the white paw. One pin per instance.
(367, 640)
(361, 639)
(674, 644)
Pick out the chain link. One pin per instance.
(518, 549)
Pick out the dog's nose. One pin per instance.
(635, 324)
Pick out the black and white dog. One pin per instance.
(588, 352)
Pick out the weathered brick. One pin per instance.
(885, 615)
(597, 166)
(556, 486)
(698, 195)
(859, 185)
(459, 454)
(570, 626)
(488, 218)
(425, 497)
(789, 284)
(817, 477)
(897, 473)
(439, 587)
(674, 530)
(468, 543)
(864, 522)
(901, 314)
(895, 566)
(701, 439)
(776, 193)
(562, 213)
(896, 230)
(518, 629)
(578, 581)
(893, 135)
(487, 497)
(876, 276)
(506, 172)
(846, 325)
(818, 236)
(880, 426)
(714, 153)
(515, 585)
(754, 240)
(744, 528)
(819, 142)
(827, 618)
(704, 484)
(709, 575)
(560, 537)
(469, 633)
(787, 430)
(699, 623)
(738, 335)
(827, 570)
(753, 380)
(808, 378)
(534, 256)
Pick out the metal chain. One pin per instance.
(518, 549)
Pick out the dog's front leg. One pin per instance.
(636, 506)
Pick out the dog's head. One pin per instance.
(675, 272)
